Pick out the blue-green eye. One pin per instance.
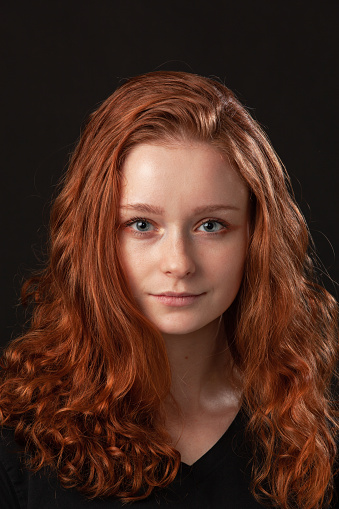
(212, 226)
(140, 225)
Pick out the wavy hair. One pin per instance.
(84, 386)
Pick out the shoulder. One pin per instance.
(21, 488)
(335, 503)
(13, 475)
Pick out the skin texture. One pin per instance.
(177, 248)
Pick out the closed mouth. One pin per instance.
(173, 294)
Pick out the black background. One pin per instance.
(60, 59)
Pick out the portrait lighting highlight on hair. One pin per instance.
(180, 293)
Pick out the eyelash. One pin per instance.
(139, 233)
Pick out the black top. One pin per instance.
(219, 479)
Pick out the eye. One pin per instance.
(139, 224)
(142, 226)
(212, 226)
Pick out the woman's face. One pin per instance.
(184, 233)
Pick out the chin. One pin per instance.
(176, 328)
(176, 331)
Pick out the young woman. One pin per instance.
(181, 351)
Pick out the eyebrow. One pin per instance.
(151, 209)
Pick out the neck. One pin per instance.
(201, 368)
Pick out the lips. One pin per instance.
(175, 294)
(176, 299)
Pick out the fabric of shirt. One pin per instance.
(219, 479)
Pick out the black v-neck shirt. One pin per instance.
(219, 479)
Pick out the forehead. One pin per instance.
(178, 172)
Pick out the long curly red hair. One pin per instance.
(84, 386)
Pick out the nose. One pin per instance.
(177, 258)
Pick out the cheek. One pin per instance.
(134, 264)
(229, 279)
(227, 267)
